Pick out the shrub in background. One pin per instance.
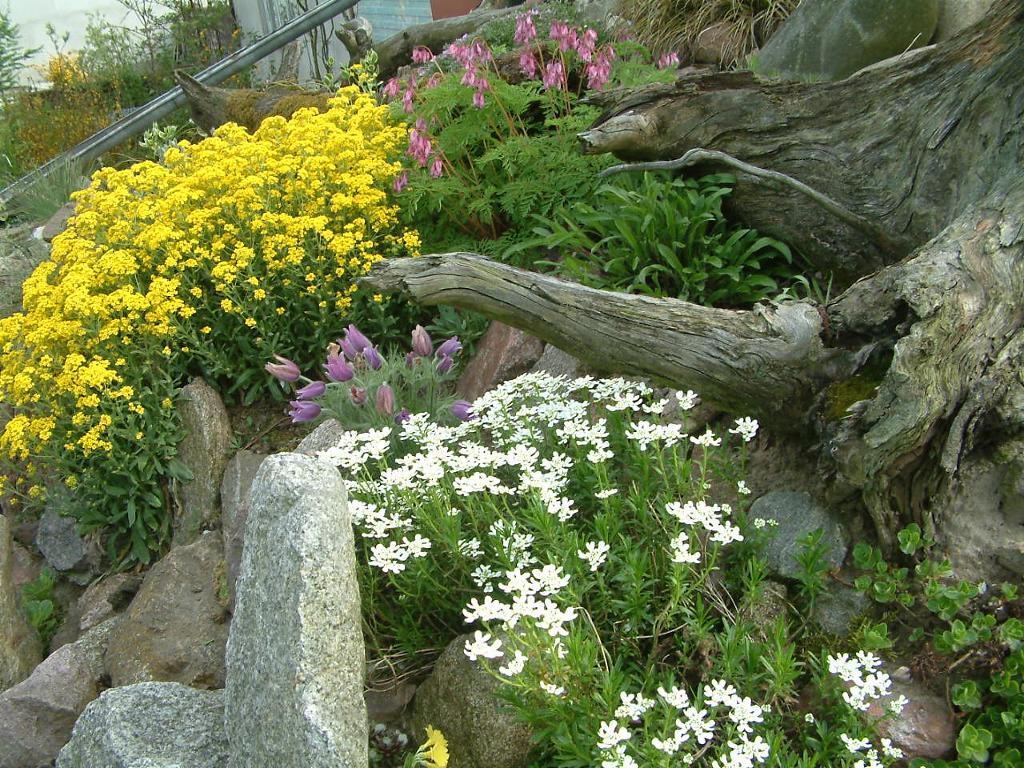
(234, 248)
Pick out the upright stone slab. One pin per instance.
(832, 39)
(19, 644)
(295, 658)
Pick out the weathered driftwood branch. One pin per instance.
(907, 145)
(396, 51)
(700, 155)
(768, 361)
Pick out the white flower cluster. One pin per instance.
(871, 757)
(711, 517)
(391, 557)
(694, 727)
(865, 682)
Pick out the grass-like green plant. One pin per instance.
(674, 25)
(660, 236)
(45, 196)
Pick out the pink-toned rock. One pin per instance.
(58, 222)
(37, 714)
(717, 44)
(24, 567)
(502, 354)
(925, 728)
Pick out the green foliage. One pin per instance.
(812, 566)
(41, 607)
(43, 198)
(662, 237)
(12, 55)
(468, 326)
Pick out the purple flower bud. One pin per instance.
(358, 395)
(348, 349)
(337, 369)
(421, 343)
(402, 416)
(385, 400)
(450, 347)
(410, 359)
(284, 369)
(373, 358)
(311, 391)
(463, 410)
(303, 410)
(444, 364)
(359, 342)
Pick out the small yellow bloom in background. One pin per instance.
(378, 298)
(166, 351)
(280, 310)
(205, 329)
(259, 294)
(434, 751)
(139, 435)
(250, 322)
(166, 403)
(35, 491)
(197, 292)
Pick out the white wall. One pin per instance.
(70, 16)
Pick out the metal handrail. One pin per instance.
(140, 119)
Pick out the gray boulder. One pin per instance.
(19, 644)
(459, 698)
(175, 630)
(838, 608)
(555, 362)
(234, 510)
(925, 728)
(832, 39)
(150, 725)
(797, 515)
(37, 714)
(957, 15)
(326, 435)
(101, 600)
(59, 543)
(295, 658)
(205, 450)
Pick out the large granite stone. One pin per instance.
(957, 15)
(234, 510)
(149, 725)
(925, 728)
(832, 39)
(839, 607)
(37, 714)
(326, 435)
(175, 630)
(503, 353)
(295, 658)
(101, 600)
(205, 450)
(460, 699)
(797, 515)
(19, 644)
(59, 543)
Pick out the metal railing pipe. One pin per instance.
(139, 120)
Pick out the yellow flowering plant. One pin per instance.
(228, 251)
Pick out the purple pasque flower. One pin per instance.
(356, 338)
(303, 410)
(373, 358)
(463, 410)
(444, 364)
(283, 370)
(421, 343)
(401, 181)
(421, 55)
(525, 30)
(358, 395)
(668, 60)
(338, 368)
(554, 74)
(312, 390)
(402, 416)
(348, 348)
(410, 359)
(449, 347)
(385, 400)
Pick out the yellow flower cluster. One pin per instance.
(231, 248)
